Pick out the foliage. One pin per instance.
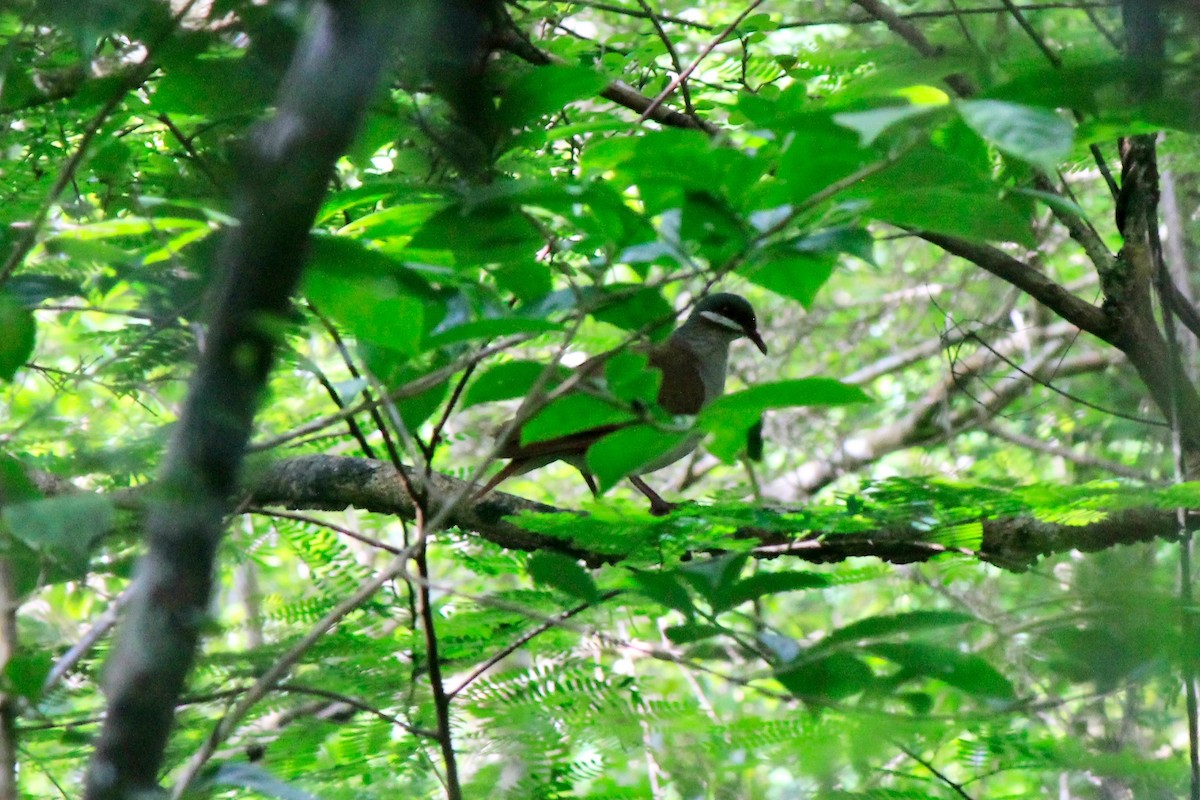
(462, 265)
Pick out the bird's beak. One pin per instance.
(758, 341)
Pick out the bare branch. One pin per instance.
(1078, 312)
(323, 97)
(1013, 543)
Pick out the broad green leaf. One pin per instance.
(394, 221)
(790, 274)
(15, 485)
(714, 578)
(546, 90)
(494, 234)
(489, 329)
(216, 87)
(819, 153)
(18, 333)
(373, 308)
(1084, 87)
(529, 280)
(251, 777)
(963, 671)
(663, 587)
(570, 414)
(731, 417)
(63, 529)
(129, 226)
(669, 164)
(630, 450)
(1038, 136)
(631, 379)
(26, 672)
(715, 231)
(509, 380)
(836, 677)
(981, 216)
(944, 191)
(346, 257)
(871, 124)
(764, 583)
(692, 632)
(890, 625)
(563, 573)
(634, 308)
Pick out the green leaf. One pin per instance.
(18, 333)
(392, 222)
(764, 583)
(62, 528)
(570, 414)
(963, 671)
(252, 777)
(871, 124)
(546, 90)
(528, 281)
(882, 626)
(631, 450)
(630, 379)
(731, 417)
(716, 579)
(563, 573)
(835, 677)
(663, 587)
(31, 288)
(508, 380)
(15, 485)
(977, 216)
(632, 307)
(1038, 136)
(691, 632)
(350, 258)
(26, 673)
(490, 329)
(819, 153)
(944, 191)
(215, 87)
(493, 234)
(789, 274)
(373, 308)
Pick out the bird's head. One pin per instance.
(731, 314)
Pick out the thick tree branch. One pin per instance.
(1079, 313)
(619, 92)
(1015, 543)
(289, 161)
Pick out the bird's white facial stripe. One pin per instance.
(724, 322)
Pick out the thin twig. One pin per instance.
(954, 787)
(708, 48)
(672, 54)
(310, 520)
(271, 678)
(441, 701)
(521, 641)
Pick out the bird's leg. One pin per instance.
(514, 467)
(591, 482)
(658, 506)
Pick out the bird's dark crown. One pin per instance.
(732, 307)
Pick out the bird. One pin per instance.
(693, 362)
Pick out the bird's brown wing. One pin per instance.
(573, 443)
(680, 372)
(682, 388)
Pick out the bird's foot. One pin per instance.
(662, 508)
